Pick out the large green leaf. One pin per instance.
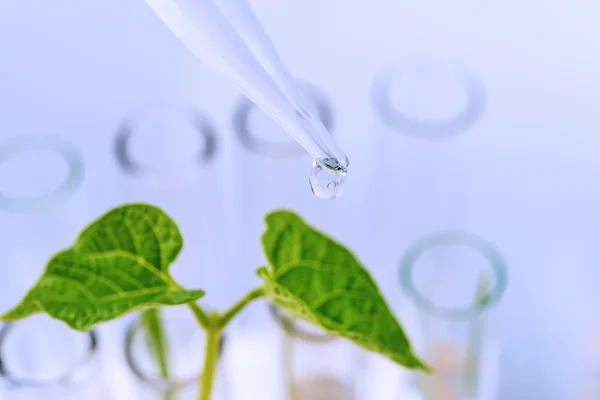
(319, 280)
(120, 263)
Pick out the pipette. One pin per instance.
(228, 37)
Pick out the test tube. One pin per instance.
(428, 99)
(452, 280)
(253, 140)
(42, 208)
(40, 357)
(227, 36)
(170, 155)
(42, 204)
(178, 378)
(315, 364)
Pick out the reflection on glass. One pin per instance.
(177, 378)
(316, 365)
(284, 146)
(452, 279)
(427, 99)
(43, 358)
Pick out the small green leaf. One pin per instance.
(120, 263)
(319, 280)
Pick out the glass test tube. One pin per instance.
(44, 358)
(416, 104)
(42, 204)
(179, 377)
(43, 208)
(315, 364)
(451, 280)
(169, 155)
(428, 99)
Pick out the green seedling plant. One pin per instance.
(120, 264)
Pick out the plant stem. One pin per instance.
(213, 325)
(201, 316)
(213, 339)
(240, 305)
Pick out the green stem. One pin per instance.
(213, 339)
(213, 325)
(201, 316)
(239, 306)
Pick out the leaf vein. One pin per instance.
(81, 288)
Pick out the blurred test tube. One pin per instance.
(179, 378)
(424, 110)
(43, 358)
(314, 364)
(43, 207)
(452, 280)
(169, 155)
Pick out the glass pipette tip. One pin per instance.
(228, 37)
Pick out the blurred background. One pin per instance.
(471, 130)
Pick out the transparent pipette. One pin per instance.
(228, 37)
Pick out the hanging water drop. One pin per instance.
(327, 178)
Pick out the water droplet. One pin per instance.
(327, 178)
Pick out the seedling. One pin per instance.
(120, 264)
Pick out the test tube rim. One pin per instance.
(496, 264)
(423, 129)
(64, 379)
(241, 117)
(158, 383)
(126, 129)
(54, 144)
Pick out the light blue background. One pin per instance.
(524, 177)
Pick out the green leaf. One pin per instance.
(120, 263)
(317, 279)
